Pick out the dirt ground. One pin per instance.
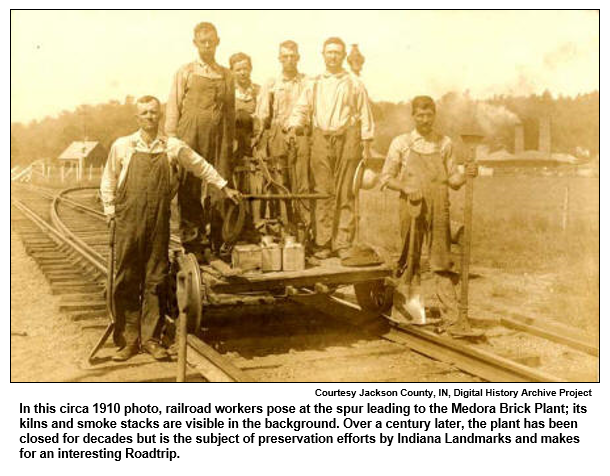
(527, 262)
(35, 324)
(297, 345)
(47, 346)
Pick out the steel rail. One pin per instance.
(212, 365)
(80, 206)
(73, 242)
(74, 204)
(78, 243)
(555, 335)
(483, 364)
(477, 362)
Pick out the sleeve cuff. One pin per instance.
(220, 184)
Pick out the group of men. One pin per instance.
(214, 118)
(222, 114)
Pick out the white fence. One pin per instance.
(41, 173)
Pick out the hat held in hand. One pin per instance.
(365, 178)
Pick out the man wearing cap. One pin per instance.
(201, 111)
(276, 101)
(139, 180)
(343, 127)
(420, 165)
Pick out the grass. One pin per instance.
(518, 229)
(517, 221)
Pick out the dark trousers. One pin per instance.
(297, 163)
(334, 158)
(141, 249)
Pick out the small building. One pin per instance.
(82, 154)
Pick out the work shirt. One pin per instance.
(180, 85)
(178, 155)
(245, 103)
(334, 102)
(397, 160)
(247, 95)
(277, 98)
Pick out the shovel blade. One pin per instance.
(100, 343)
(408, 306)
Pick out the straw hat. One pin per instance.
(364, 178)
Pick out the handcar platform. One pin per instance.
(218, 285)
(329, 272)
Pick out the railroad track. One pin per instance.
(68, 239)
(66, 235)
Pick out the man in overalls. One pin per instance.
(420, 165)
(139, 181)
(201, 111)
(338, 106)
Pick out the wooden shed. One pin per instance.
(83, 154)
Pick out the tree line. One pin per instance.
(574, 123)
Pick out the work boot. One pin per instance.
(344, 253)
(126, 353)
(155, 349)
(322, 253)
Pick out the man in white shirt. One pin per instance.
(342, 129)
(139, 181)
(276, 100)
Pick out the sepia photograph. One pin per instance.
(305, 196)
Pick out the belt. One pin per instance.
(301, 131)
(339, 132)
(328, 134)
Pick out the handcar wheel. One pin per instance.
(374, 296)
(191, 294)
(234, 220)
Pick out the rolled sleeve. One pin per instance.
(109, 180)
(455, 173)
(448, 156)
(367, 122)
(190, 160)
(393, 163)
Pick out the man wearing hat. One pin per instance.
(420, 165)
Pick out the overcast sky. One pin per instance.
(61, 59)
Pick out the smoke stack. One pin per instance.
(544, 137)
(519, 139)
